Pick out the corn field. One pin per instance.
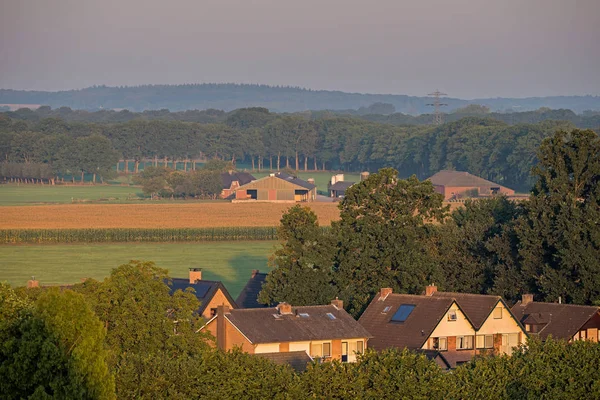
(139, 235)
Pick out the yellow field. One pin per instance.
(195, 215)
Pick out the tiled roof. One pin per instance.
(266, 325)
(204, 290)
(242, 177)
(298, 360)
(411, 333)
(248, 297)
(456, 357)
(459, 179)
(562, 321)
(477, 307)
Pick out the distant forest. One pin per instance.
(42, 144)
(276, 98)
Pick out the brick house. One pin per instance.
(210, 293)
(455, 185)
(561, 321)
(232, 180)
(324, 332)
(452, 326)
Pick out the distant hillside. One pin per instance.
(276, 98)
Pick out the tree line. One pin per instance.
(128, 336)
(260, 139)
(397, 233)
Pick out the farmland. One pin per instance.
(11, 194)
(230, 262)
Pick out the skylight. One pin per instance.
(303, 315)
(386, 309)
(330, 315)
(403, 312)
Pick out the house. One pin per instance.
(232, 180)
(455, 185)
(278, 187)
(561, 321)
(450, 327)
(210, 293)
(248, 297)
(338, 186)
(323, 332)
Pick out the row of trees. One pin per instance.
(397, 233)
(128, 337)
(485, 147)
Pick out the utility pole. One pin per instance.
(436, 106)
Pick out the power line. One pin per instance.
(436, 106)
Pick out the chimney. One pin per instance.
(255, 272)
(195, 275)
(222, 327)
(284, 308)
(526, 299)
(337, 303)
(311, 180)
(384, 292)
(32, 283)
(430, 290)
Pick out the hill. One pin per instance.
(276, 98)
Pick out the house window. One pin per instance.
(213, 312)
(485, 342)
(440, 343)
(452, 315)
(527, 328)
(464, 342)
(326, 349)
(498, 313)
(360, 347)
(316, 350)
(582, 335)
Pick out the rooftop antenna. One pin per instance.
(436, 106)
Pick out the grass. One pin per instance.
(229, 262)
(11, 194)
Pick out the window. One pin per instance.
(464, 342)
(452, 315)
(330, 315)
(498, 313)
(344, 351)
(440, 343)
(485, 342)
(303, 315)
(316, 350)
(213, 312)
(360, 348)
(386, 309)
(326, 349)
(527, 328)
(403, 312)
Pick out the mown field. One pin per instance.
(230, 262)
(181, 215)
(11, 194)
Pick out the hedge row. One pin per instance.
(122, 235)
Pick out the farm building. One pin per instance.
(277, 187)
(455, 185)
(338, 186)
(233, 180)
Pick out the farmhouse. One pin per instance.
(278, 187)
(455, 185)
(453, 327)
(324, 332)
(232, 180)
(210, 293)
(248, 297)
(561, 321)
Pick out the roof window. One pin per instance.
(330, 315)
(386, 309)
(303, 315)
(403, 312)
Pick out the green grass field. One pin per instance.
(17, 195)
(229, 262)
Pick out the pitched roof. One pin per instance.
(294, 180)
(266, 325)
(248, 297)
(204, 290)
(477, 307)
(456, 357)
(459, 179)
(298, 360)
(411, 333)
(341, 185)
(227, 178)
(436, 356)
(562, 321)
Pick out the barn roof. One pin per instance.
(460, 179)
(289, 180)
(295, 180)
(341, 185)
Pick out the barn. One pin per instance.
(278, 187)
(456, 185)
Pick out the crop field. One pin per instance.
(171, 215)
(229, 262)
(11, 194)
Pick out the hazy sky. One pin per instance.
(466, 48)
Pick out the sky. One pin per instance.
(465, 48)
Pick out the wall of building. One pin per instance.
(447, 328)
(233, 337)
(217, 300)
